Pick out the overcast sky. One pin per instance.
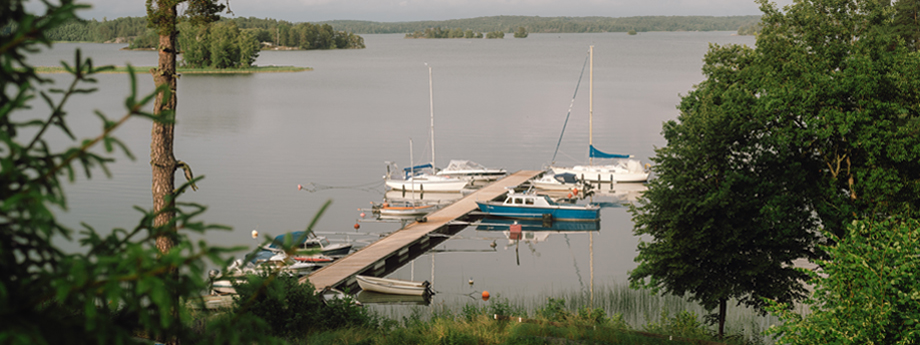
(414, 10)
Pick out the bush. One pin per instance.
(869, 292)
(292, 309)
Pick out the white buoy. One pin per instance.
(255, 233)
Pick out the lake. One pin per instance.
(501, 103)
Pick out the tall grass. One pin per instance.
(639, 309)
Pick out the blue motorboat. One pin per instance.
(534, 206)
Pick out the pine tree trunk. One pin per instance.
(162, 159)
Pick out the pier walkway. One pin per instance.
(393, 251)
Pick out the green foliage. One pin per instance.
(817, 125)
(220, 45)
(840, 108)
(521, 32)
(96, 31)
(555, 24)
(750, 30)
(868, 293)
(437, 32)
(495, 34)
(685, 325)
(118, 286)
(907, 22)
(631, 32)
(292, 309)
(713, 241)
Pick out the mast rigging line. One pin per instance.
(570, 107)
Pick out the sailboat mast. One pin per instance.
(431, 107)
(590, 105)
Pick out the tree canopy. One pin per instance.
(814, 128)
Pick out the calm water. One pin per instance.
(501, 103)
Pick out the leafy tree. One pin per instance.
(713, 212)
(816, 127)
(521, 32)
(840, 108)
(907, 22)
(496, 34)
(224, 49)
(867, 294)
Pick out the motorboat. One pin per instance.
(533, 206)
(558, 182)
(469, 170)
(393, 286)
(312, 243)
(425, 177)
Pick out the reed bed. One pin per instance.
(639, 309)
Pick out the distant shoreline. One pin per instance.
(145, 69)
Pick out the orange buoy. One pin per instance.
(570, 195)
(485, 295)
(299, 187)
(362, 214)
(357, 226)
(575, 191)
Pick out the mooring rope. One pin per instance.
(315, 187)
(570, 107)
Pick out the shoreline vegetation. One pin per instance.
(181, 70)
(284, 33)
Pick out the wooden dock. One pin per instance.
(392, 252)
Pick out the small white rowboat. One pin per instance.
(393, 286)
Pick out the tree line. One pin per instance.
(535, 24)
(270, 31)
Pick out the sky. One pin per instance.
(417, 10)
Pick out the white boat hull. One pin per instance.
(392, 286)
(428, 184)
(604, 173)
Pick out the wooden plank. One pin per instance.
(345, 268)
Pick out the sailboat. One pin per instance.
(623, 169)
(424, 178)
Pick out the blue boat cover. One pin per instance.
(595, 153)
(418, 167)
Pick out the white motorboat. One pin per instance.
(558, 182)
(312, 243)
(393, 286)
(469, 170)
(427, 182)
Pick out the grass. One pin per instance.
(144, 69)
(634, 310)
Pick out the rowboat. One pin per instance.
(393, 286)
(399, 210)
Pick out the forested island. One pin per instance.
(536, 24)
(280, 33)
